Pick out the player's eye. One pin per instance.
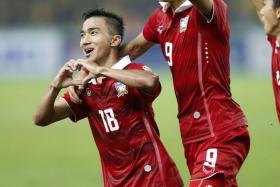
(82, 35)
(93, 33)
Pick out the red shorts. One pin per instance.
(224, 153)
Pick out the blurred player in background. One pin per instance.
(269, 14)
(117, 101)
(194, 38)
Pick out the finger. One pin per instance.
(81, 88)
(84, 63)
(74, 95)
(87, 78)
(68, 70)
(76, 82)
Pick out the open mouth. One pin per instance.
(88, 51)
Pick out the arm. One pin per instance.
(51, 109)
(75, 91)
(204, 6)
(145, 80)
(136, 47)
(142, 79)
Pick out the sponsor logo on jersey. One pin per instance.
(160, 29)
(121, 89)
(184, 24)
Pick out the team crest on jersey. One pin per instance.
(121, 89)
(184, 24)
(88, 92)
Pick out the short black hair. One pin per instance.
(114, 21)
(276, 4)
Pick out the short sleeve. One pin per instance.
(147, 96)
(150, 32)
(79, 111)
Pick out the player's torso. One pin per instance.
(115, 114)
(126, 144)
(182, 38)
(178, 37)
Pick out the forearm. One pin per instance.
(136, 47)
(45, 110)
(142, 79)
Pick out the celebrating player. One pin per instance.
(269, 13)
(117, 102)
(194, 38)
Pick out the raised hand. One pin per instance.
(94, 70)
(64, 78)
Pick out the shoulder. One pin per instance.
(136, 65)
(157, 13)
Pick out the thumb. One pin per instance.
(87, 78)
(76, 82)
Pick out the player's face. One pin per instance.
(95, 39)
(269, 17)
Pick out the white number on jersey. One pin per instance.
(168, 52)
(278, 78)
(211, 157)
(109, 120)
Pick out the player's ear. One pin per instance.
(116, 40)
(278, 13)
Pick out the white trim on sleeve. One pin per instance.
(73, 113)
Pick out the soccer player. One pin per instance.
(118, 104)
(269, 14)
(194, 38)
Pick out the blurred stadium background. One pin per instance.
(38, 37)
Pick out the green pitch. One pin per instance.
(64, 154)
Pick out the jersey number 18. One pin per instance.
(109, 120)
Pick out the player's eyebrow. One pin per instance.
(90, 29)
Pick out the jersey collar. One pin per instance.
(187, 4)
(121, 64)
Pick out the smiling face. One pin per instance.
(96, 40)
(270, 17)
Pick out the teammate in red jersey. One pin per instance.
(117, 101)
(269, 14)
(194, 38)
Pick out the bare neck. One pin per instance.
(175, 4)
(110, 60)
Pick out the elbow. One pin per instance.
(39, 121)
(152, 82)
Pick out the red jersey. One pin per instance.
(197, 51)
(275, 70)
(122, 123)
